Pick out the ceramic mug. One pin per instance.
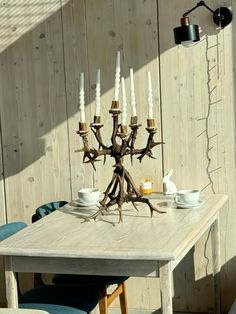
(187, 196)
(89, 195)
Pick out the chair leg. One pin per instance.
(123, 299)
(103, 302)
(106, 299)
(38, 280)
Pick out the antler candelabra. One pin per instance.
(121, 188)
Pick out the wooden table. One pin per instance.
(139, 246)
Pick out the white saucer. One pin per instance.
(185, 205)
(85, 204)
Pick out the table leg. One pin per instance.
(166, 287)
(215, 243)
(11, 283)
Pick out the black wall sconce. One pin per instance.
(189, 33)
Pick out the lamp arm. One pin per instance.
(200, 3)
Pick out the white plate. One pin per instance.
(85, 204)
(182, 205)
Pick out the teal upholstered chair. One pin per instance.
(87, 281)
(102, 283)
(46, 209)
(52, 308)
(63, 299)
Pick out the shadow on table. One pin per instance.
(112, 213)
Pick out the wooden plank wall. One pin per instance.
(34, 117)
(198, 110)
(45, 45)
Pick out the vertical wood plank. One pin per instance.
(131, 27)
(33, 111)
(38, 45)
(76, 61)
(116, 25)
(226, 152)
(2, 186)
(199, 141)
(216, 264)
(19, 18)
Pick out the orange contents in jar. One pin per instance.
(146, 187)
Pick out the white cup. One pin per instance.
(89, 195)
(187, 196)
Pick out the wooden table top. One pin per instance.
(140, 237)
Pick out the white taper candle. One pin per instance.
(98, 95)
(81, 98)
(124, 104)
(117, 77)
(150, 103)
(132, 93)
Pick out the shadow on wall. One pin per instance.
(32, 81)
(40, 69)
(45, 46)
(228, 284)
(199, 293)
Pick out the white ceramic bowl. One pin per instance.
(187, 196)
(89, 195)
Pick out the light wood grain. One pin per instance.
(76, 61)
(109, 267)
(117, 25)
(42, 247)
(216, 263)
(34, 118)
(18, 19)
(43, 50)
(166, 287)
(110, 26)
(68, 236)
(11, 285)
(2, 187)
(2, 210)
(198, 128)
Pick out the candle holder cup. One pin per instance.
(123, 130)
(121, 188)
(97, 120)
(82, 126)
(133, 120)
(150, 123)
(115, 105)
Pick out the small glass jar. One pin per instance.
(146, 187)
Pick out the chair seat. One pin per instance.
(72, 296)
(46, 209)
(10, 229)
(87, 280)
(50, 308)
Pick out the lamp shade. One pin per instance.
(186, 33)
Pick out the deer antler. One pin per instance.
(121, 188)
